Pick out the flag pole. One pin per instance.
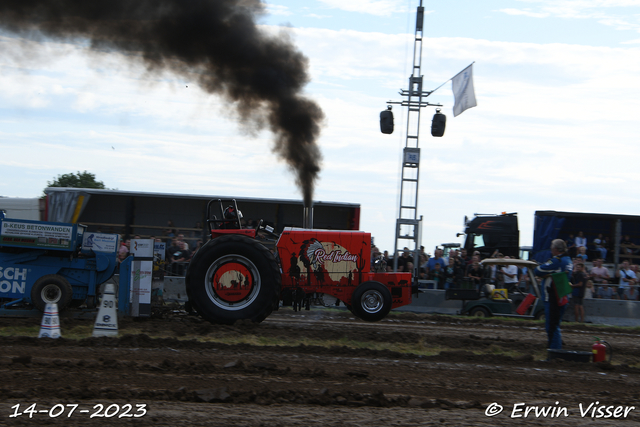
(453, 77)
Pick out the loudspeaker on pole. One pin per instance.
(106, 324)
(50, 326)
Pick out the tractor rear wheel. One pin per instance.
(371, 301)
(51, 289)
(233, 278)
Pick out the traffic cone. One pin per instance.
(50, 326)
(107, 321)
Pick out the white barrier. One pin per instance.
(50, 325)
(106, 324)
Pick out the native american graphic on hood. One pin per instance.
(331, 258)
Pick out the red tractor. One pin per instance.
(234, 276)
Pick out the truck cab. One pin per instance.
(487, 233)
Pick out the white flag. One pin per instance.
(462, 86)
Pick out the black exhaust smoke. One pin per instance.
(216, 40)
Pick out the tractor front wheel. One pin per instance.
(51, 289)
(371, 301)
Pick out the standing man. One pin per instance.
(436, 259)
(627, 278)
(553, 306)
(466, 260)
(511, 276)
(579, 284)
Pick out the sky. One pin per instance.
(557, 86)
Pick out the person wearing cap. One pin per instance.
(554, 306)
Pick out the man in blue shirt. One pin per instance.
(436, 259)
(553, 306)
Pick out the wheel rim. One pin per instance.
(480, 313)
(51, 294)
(372, 301)
(232, 282)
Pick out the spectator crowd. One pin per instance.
(590, 279)
(179, 248)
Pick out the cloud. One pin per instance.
(525, 12)
(598, 10)
(277, 10)
(373, 7)
(315, 15)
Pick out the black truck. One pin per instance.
(487, 233)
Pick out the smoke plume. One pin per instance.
(217, 40)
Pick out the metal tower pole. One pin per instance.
(408, 226)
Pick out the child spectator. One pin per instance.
(588, 290)
(451, 274)
(475, 272)
(437, 275)
(582, 253)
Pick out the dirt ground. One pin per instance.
(185, 379)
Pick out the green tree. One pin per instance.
(80, 180)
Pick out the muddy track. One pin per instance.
(186, 378)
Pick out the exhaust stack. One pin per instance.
(307, 220)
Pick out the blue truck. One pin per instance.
(50, 262)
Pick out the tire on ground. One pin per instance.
(233, 278)
(371, 301)
(51, 289)
(479, 312)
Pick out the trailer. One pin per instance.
(234, 276)
(51, 262)
(550, 225)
